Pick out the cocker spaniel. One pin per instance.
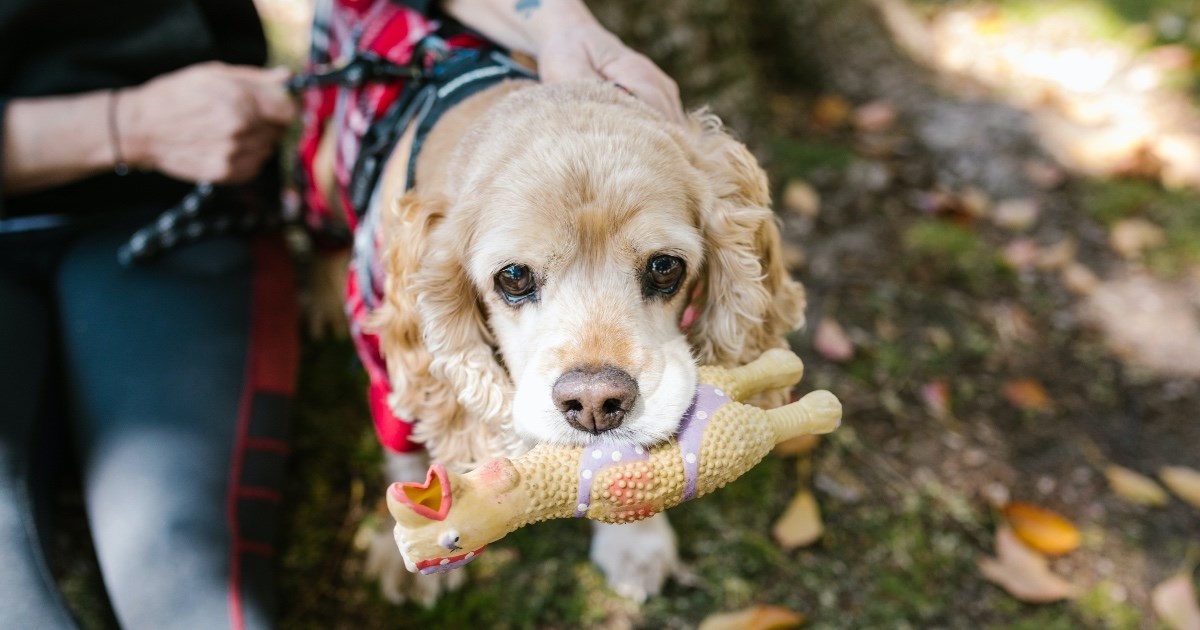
(564, 262)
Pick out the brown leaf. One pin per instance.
(1058, 255)
(1023, 572)
(1027, 394)
(800, 524)
(1174, 602)
(1135, 487)
(830, 111)
(798, 445)
(1184, 482)
(801, 198)
(1130, 237)
(753, 618)
(1044, 530)
(831, 342)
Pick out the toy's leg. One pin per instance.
(384, 562)
(817, 412)
(775, 369)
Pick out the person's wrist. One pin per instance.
(130, 143)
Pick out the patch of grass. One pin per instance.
(791, 157)
(1101, 608)
(954, 254)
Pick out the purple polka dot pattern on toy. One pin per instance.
(691, 433)
(594, 459)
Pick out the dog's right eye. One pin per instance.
(515, 283)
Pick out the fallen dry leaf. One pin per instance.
(798, 445)
(831, 342)
(1044, 530)
(1079, 279)
(801, 198)
(800, 524)
(1027, 394)
(936, 395)
(1021, 253)
(1174, 602)
(1044, 175)
(1184, 482)
(830, 111)
(753, 618)
(1135, 487)
(1023, 572)
(1130, 237)
(1017, 215)
(1058, 255)
(875, 116)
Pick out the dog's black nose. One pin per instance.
(595, 399)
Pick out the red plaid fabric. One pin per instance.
(342, 28)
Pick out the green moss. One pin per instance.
(791, 157)
(946, 252)
(1102, 608)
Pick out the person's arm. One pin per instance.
(569, 43)
(209, 122)
(49, 141)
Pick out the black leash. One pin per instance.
(196, 215)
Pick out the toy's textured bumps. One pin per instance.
(718, 441)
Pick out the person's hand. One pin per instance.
(210, 122)
(589, 51)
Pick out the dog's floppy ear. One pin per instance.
(433, 336)
(749, 301)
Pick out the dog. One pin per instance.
(562, 263)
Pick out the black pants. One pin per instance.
(171, 384)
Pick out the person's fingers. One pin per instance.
(273, 103)
(641, 77)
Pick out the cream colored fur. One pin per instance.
(582, 183)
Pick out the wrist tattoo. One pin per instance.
(527, 7)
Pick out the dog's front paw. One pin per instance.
(636, 558)
(397, 583)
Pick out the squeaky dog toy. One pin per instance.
(446, 521)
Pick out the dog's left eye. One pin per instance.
(663, 274)
(515, 283)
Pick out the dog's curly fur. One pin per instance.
(437, 330)
(584, 184)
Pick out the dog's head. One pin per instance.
(590, 255)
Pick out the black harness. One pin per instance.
(436, 80)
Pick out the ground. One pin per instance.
(960, 250)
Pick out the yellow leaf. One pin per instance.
(797, 446)
(800, 524)
(1174, 602)
(1044, 530)
(1027, 394)
(1135, 487)
(1023, 572)
(753, 618)
(1184, 482)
